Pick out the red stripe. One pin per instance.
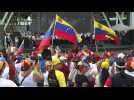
(65, 36)
(44, 44)
(100, 37)
(116, 40)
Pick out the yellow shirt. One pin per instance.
(61, 78)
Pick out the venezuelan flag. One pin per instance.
(65, 31)
(46, 40)
(103, 32)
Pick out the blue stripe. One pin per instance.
(64, 28)
(99, 31)
(48, 33)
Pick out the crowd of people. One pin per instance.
(76, 67)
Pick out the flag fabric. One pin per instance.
(103, 32)
(21, 48)
(117, 40)
(46, 41)
(64, 30)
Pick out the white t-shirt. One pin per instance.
(46, 78)
(110, 70)
(93, 71)
(71, 66)
(7, 83)
(5, 73)
(28, 81)
(92, 65)
(97, 81)
(73, 71)
(18, 67)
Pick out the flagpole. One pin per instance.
(53, 39)
(95, 42)
(106, 19)
(96, 47)
(21, 45)
(53, 35)
(53, 32)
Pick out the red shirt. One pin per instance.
(12, 72)
(108, 82)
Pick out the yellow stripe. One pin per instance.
(62, 21)
(78, 37)
(103, 27)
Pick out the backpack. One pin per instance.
(52, 80)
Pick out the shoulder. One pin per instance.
(7, 83)
(12, 84)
